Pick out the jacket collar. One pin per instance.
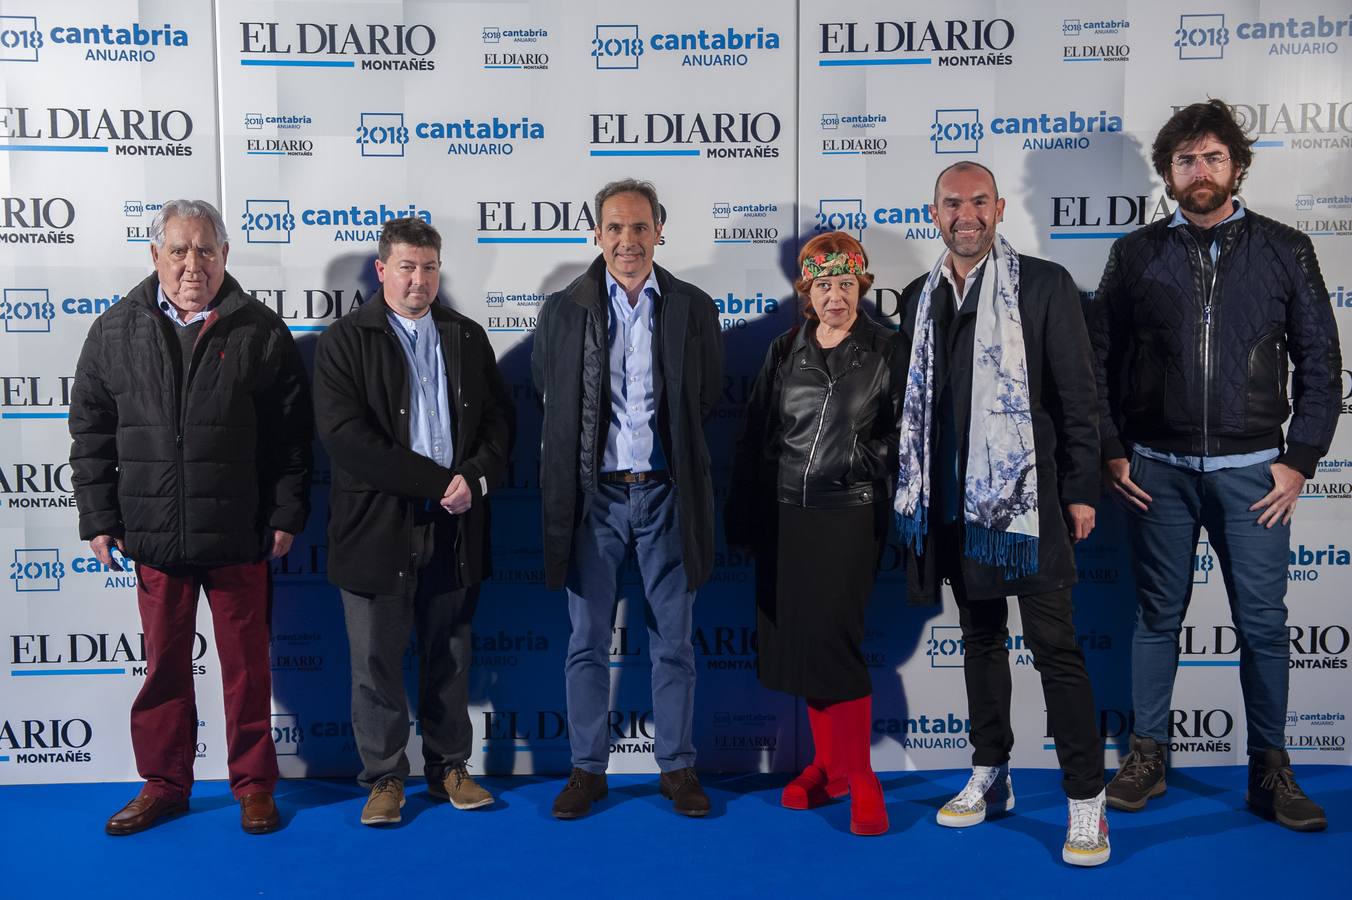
(230, 298)
(371, 314)
(589, 288)
(862, 332)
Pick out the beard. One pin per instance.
(1213, 196)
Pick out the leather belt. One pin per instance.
(628, 476)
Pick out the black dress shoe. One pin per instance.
(682, 788)
(141, 813)
(576, 798)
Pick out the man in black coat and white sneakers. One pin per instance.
(191, 427)
(419, 426)
(999, 477)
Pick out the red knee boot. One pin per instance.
(851, 728)
(823, 780)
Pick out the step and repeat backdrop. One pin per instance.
(761, 123)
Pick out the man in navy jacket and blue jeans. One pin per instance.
(1195, 322)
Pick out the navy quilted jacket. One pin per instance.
(1194, 358)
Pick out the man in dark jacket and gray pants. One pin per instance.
(628, 362)
(419, 426)
(999, 476)
(191, 422)
(1195, 320)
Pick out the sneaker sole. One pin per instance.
(1081, 858)
(1137, 806)
(478, 804)
(951, 820)
(965, 821)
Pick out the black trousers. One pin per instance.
(1049, 632)
(439, 611)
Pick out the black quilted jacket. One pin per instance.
(202, 482)
(1193, 358)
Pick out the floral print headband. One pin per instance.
(824, 264)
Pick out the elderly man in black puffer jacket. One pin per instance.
(190, 416)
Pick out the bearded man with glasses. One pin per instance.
(1198, 325)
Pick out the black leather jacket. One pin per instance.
(1193, 357)
(821, 429)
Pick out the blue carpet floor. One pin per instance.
(1196, 841)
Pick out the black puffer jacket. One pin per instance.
(821, 430)
(1192, 358)
(201, 482)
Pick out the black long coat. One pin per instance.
(1064, 401)
(570, 366)
(361, 406)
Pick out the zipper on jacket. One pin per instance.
(821, 421)
(1208, 268)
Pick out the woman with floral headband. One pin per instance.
(811, 497)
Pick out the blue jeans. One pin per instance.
(617, 517)
(1253, 562)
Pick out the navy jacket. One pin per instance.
(570, 367)
(1194, 358)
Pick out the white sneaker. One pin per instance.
(988, 790)
(1086, 833)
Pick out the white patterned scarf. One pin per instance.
(1000, 492)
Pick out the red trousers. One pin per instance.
(164, 714)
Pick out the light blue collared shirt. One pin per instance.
(1215, 248)
(429, 419)
(171, 310)
(631, 440)
(1209, 463)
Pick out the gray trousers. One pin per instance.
(378, 627)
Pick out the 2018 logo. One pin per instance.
(268, 221)
(1201, 36)
(841, 215)
(957, 131)
(382, 134)
(37, 569)
(27, 311)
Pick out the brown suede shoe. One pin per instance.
(141, 813)
(576, 798)
(258, 814)
(682, 788)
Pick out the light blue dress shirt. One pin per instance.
(1209, 463)
(171, 310)
(631, 440)
(429, 419)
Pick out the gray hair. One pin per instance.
(187, 209)
(628, 186)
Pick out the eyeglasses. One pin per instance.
(1189, 161)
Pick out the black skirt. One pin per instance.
(811, 618)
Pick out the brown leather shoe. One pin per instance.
(682, 788)
(258, 814)
(141, 813)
